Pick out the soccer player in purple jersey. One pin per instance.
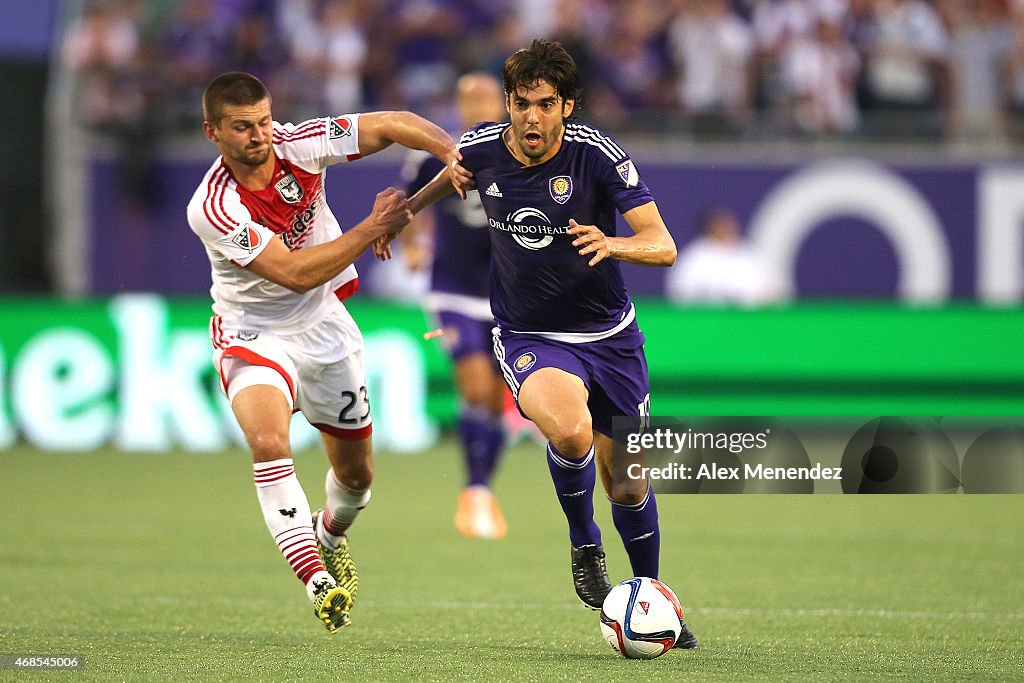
(567, 338)
(458, 299)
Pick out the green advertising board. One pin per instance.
(836, 359)
(134, 371)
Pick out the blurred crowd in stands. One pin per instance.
(711, 69)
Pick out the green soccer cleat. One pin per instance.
(338, 562)
(331, 604)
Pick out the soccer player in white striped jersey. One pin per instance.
(283, 339)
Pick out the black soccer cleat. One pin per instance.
(686, 639)
(590, 575)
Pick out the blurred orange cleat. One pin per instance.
(478, 514)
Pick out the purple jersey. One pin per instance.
(539, 282)
(463, 255)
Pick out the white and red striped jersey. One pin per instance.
(236, 224)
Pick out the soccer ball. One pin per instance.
(640, 618)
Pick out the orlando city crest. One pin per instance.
(289, 189)
(560, 188)
(525, 362)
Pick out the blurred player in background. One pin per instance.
(567, 338)
(458, 300)
(283, 340)
(720, 266)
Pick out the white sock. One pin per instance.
(286, 512)
(343, 506)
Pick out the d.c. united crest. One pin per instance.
(289, 189)
(248, 238)
(560, 188)
(340, 128)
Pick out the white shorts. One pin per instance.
(320, 370)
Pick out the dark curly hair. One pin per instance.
(544, 60)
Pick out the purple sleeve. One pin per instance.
(472, 144)
(622, 183)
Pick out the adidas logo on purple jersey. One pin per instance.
(493, 190)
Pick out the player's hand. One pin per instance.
(591, 240)
(391, 212)
(462, 179)
(382, 247)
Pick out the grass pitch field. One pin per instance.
(160, 567)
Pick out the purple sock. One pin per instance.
(638, 527)
(482, 438)
(574, 483)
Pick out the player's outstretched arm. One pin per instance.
(417, 241)
(651, 244)
(305, 269)
(438, 188)
(381, 129)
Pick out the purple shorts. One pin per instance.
(614, 370)
(464, 335)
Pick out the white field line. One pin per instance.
(726, 611)
(869, 613)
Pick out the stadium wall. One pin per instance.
(133, 371)
(917, 232)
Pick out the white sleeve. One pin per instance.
(319, 143)
(226, 227)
